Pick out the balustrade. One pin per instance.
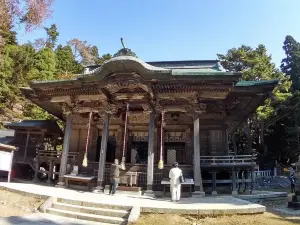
(228, 159)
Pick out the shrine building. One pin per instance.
(151, 114)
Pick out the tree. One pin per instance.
(256, 64)
(290, 65)
(44, 65)
(83, 52)
(104, 58)
(86, 54)
(31, 13)
(66, 63)
(18, 60)
(52, 35)
(282, 136)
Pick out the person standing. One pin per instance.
(175, 182)
(115, 176)
(293, 183)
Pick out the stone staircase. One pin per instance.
(88, 211)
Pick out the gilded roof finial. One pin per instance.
(122, 42)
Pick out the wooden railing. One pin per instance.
(264, 173)
(228, 159)
(55, 154)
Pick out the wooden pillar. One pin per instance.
(104, 139)
(214, 183)
(234, 191)
(119, 143)
(36, 167)
(226, 142)
(157, 146)
(26, 145)
(150, 162)
(197, 169)
(252, 179)
(64, 157)
(50, 171)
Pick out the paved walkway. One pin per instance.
(43, 219)
(206, 205)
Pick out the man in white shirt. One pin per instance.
(175, 184)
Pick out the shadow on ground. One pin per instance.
(42, 219)
(294, 220)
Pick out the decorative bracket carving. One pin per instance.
(147, 108)
(201, 108)
(110, 108)
(67, 109)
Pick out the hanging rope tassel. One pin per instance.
(161, 162)
(85, 160)
(125, 135)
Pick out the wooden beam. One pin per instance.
(58, 99)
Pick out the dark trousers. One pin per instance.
(293, 188)
(114, 182)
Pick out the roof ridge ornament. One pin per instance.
(122, 42)
(124, 51)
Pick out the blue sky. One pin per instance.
(176, 29)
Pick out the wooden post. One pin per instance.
(197, 170)
(214, 183)
(226, 142)
(50, 171)
(234, 191)
(10, 167)
(26, 145)
(36, 167)
(150, 162)
(252, 179)
(119, 143)
(66, 145)
(104, 138)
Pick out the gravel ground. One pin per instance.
(12, 204)
(263, 183)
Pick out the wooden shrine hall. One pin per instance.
(151, 114)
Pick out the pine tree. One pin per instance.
(66, 63)
(52, 35)
(44, 65)
(256, 64)
(290, 65)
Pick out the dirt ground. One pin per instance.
(12, 204)
(267, 218)
(277, 214)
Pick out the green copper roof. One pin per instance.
(175, 68)
(200, 72)
(245, 83)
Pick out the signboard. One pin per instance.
(6, 159)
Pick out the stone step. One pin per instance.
(88, 217)
(93, 204)
(91, 210)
